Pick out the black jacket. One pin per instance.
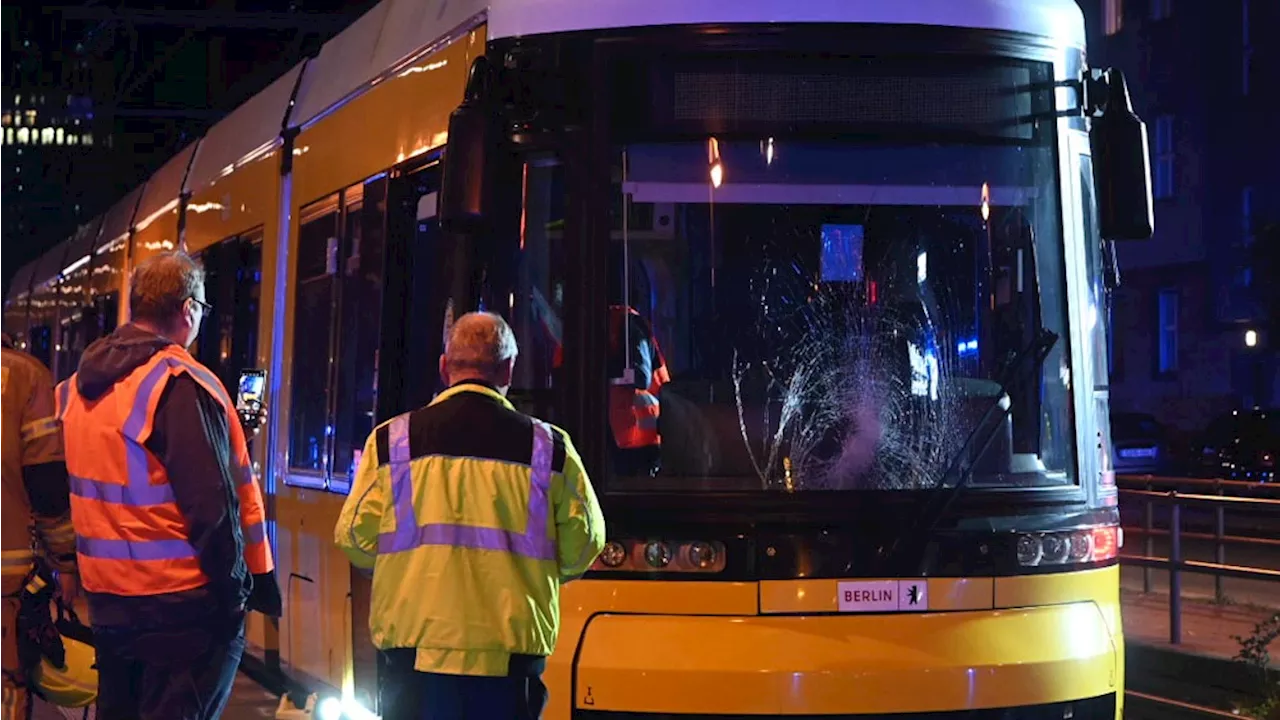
(191, 439)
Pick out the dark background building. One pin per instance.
(1191, 335)
(97, 96)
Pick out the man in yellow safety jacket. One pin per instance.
(169, 519)
(36, 504)
(471, 515)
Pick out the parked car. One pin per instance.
(1240, 445)
(1139, 444)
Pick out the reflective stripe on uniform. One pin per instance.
(38, 429)
(64, 395)
(535, 542)
(16, 562)
(116, 549)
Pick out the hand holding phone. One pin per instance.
(249, 399)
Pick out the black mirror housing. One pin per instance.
(1121, 163)
(473, 134)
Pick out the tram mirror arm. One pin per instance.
(1121, 159)
(473, 133)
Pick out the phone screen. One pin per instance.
(252, 384)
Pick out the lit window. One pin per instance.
(1112, 16)
(6, 120)
(1161, 9)
(8, 136)
(57, 136)
(24, 135)
(46, 136)
(73, 139)
(86, 139)
(1163, 166)
(1167, 350)
(31, 117)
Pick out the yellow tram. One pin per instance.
(866, 238)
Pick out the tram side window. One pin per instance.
(535, 299)
(314, 296)
(338, 300)
(41, 344)
(360, 304)
(228, 342)
(77, 333)
(108, 311)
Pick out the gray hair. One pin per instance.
(161, 285)
(480, 342)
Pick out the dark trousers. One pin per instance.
(182, 672)
(411, 695)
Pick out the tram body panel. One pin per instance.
(243, 199)
(716, 657)
(824, 664)
(156, 224)
(315, 578)
(17, 303)
(398, 118)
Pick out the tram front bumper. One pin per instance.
(834, 665)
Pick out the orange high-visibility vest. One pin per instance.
(634, 412)
(131, 537)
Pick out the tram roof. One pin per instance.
(1058, 20)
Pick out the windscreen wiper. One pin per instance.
(966, 459)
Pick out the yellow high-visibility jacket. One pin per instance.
(470, 515)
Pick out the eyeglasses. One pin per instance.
(206, 307)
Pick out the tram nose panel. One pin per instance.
(842, 664)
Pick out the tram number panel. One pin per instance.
(880, 596)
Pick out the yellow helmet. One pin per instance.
(75, 685)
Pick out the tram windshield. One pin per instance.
(837, 315)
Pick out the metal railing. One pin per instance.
(1228, 495)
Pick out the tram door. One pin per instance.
(417, 279)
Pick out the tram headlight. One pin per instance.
(614, 554)
(1081, 547)
(666, 555)
(1089, 545)
(657, 554)
(1030, 550)
(1057, 547)
(702, 555)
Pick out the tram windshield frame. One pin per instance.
(989, 163)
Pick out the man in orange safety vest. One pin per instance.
(169, 519)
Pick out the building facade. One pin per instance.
(1190, 335)
(52, 140)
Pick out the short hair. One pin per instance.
(480, 342)
(161, 284)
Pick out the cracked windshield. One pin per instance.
(805, 315)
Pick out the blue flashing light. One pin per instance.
(967, 347)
